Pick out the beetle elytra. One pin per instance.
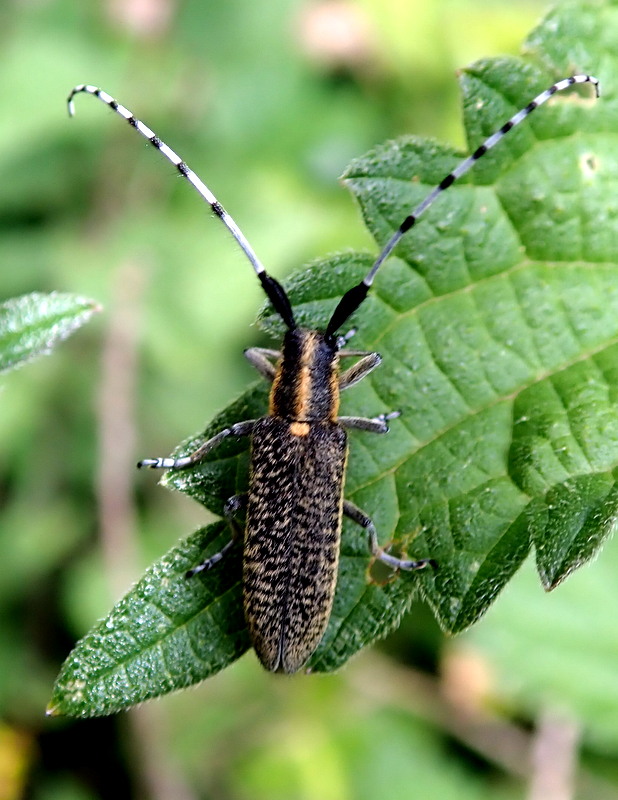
(295, 503)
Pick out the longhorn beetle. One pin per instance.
(295, 503)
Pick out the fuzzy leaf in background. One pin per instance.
(31, 325)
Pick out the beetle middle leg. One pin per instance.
(358, 516)
(376, 424)
(169, 462)
(233, 505)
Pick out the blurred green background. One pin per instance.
(268, 102)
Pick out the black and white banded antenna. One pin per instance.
(273, 288)
(352, 299)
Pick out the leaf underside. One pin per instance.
(497, 321)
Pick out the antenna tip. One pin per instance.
(70, 102)
(589, 79)
(82, 87)
(597, 86)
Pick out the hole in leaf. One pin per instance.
(380, 574)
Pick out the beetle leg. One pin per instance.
(232, 506)
(374, 425)
(260, 358)
(210, 562)
(358, 371)
(358, 516)
(239, 429)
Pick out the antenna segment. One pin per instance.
(355, 296)
(180, 165)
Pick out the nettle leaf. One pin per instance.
(33, 324)
(168, 632)
(497, 320)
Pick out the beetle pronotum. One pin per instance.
(295, 502)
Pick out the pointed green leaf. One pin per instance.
(167, 632)
(497, 320)
(32, 324)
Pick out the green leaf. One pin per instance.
(32, 324)
(168, 632)
(497, 320)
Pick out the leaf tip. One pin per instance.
(53, 710)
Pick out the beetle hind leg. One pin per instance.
(209, 563)
(358, 516)
(233, 505)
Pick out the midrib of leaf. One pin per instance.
(156, 645)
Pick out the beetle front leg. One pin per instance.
(239, 429)
(358, 371)
(233, 505)
(358, 516)
(260, 358)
